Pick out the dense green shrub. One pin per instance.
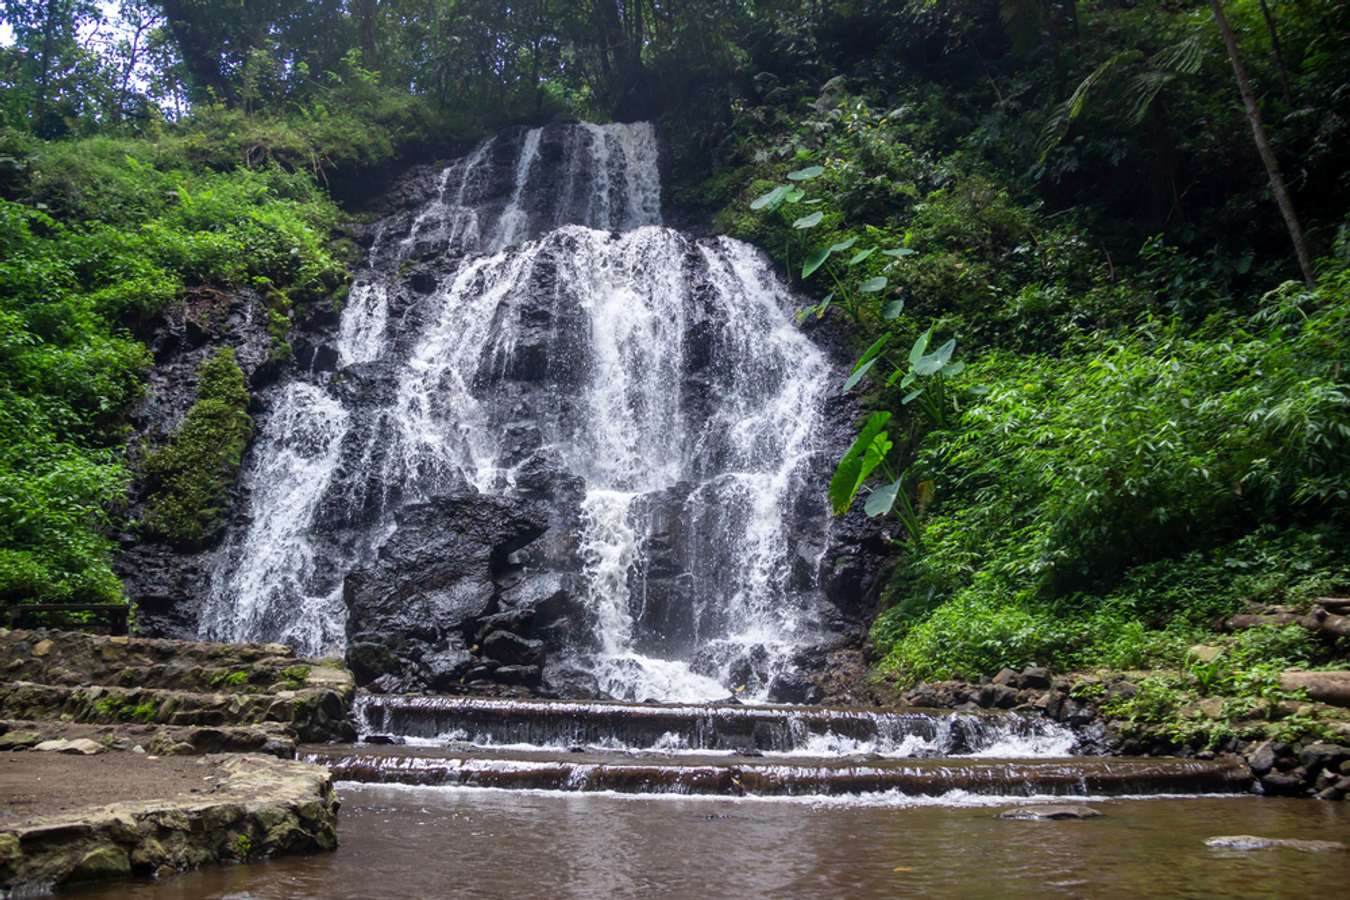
(65, 377)
(1103, 505)
(195, 470)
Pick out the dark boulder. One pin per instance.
(1036, 678)
(1282, 784)
(432, 582)
(526, 676)
(512, 649)
(1318, 756)
(445, 664)
(517, 620)
(996, 696)
(1262, 759)
(791, 687)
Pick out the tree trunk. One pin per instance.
(45, 65)
(367, 14)
(1278, 53)
(1263, 145)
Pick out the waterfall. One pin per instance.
(532, 332)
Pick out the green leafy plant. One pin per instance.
(195, 470)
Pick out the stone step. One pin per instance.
(75, 658)
(490, 722)
(315, 714)
(271, 738)
(735, 776)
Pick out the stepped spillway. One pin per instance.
(488, 722)
(733, 776)
(740, 750)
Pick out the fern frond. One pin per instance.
(1185, 57)
(1057, 126)
(1140, 92)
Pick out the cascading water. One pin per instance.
(533, 324)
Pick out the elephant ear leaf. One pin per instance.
(771, 199)
(815, 261)
(880, 501)
(869, 448)
(866, 361)
(858, 374)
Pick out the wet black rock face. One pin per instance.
(446, 597)
(166, 583)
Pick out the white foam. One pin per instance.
(957, 799)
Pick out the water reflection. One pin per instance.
(416, 842)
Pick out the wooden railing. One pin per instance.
(72, 616)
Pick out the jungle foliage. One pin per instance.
(1099, 404)
(1137, 420)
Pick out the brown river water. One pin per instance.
(403, 842)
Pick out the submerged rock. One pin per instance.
(1048, 813)
(1252, 842)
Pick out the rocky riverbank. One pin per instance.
(66, 819)
(143, 757)
(1109, 712)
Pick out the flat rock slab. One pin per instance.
(66, 819)
(1328, 687)
(82, 746)
(33, 784)
(1252, 842)
(1046, 812)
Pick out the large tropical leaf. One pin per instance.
(858, 374)
(815, 261)
(880, 501)
(810, 221)
(868, 450)
(771, 199)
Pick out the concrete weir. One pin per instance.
(726, 728)
(739, 776)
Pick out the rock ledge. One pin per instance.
(257, 807)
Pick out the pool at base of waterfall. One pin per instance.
(443, 842)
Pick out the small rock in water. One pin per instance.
(1252, 842)
(1048, 812)
(381, 739)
